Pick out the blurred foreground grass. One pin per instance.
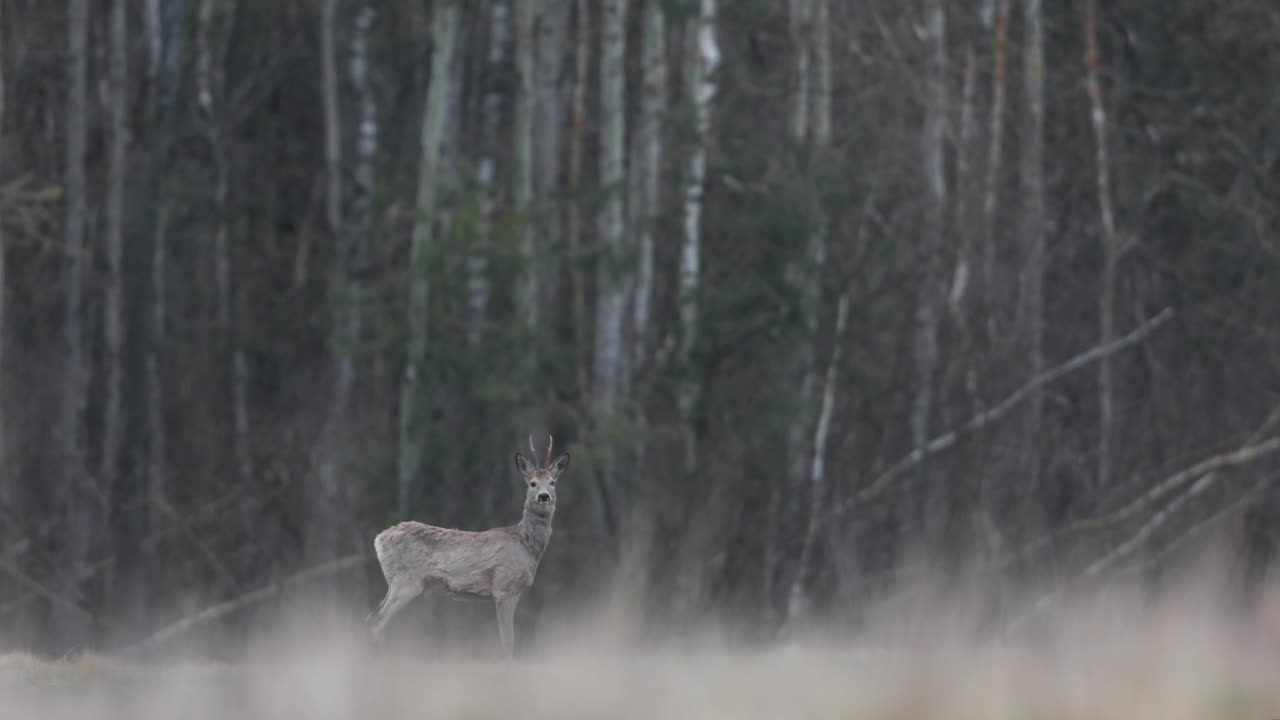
(1156, 681)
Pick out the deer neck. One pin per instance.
(535, 530)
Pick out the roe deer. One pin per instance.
(498, 563)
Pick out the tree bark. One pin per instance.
(527, 294)
(478, 282)
(798, 600)
(444, 34)
(1032, 156)
(1110, 247)
(926, 340)
(612, 256)
(578, 110)
(145, 441)
(647, 203)
(995, 149)
(113, 324)
(704, 56)
(76, 501)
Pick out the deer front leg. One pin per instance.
(506, 605)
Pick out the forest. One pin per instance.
(822, 297)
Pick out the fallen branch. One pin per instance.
(989, 416)
(223, 609)
(1123, 550)
(1252, 450)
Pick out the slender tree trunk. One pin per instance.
(803, 273)
(1110, 247)
(478, 261)
(322, 534)
(552, 25)
(143, 472)
(478, 284)
(995, 149)
(810, 468)
(801, 75)
(444, 34)
(114, 315)
(527, 294)
(704, 56)
(578, 110)
(7, 484)
(1033, 227)
(926, 341)
(647, 204)
(610, 276)
(798, 600)
(359, 232)
(75, 500)
(211, 87)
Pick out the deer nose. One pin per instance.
(544, 497)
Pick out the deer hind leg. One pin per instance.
(400, 592)
(506, 605)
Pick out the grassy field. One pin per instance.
(1179, 660)
(1147, 680)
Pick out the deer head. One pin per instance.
(540, 481)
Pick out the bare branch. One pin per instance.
(985, 418)
(216, 612)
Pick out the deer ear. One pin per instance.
(559, 464)
(524, 466)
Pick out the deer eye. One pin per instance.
(532, 484)
(553, 483)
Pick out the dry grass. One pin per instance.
(1189, 657)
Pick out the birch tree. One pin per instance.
(212, 38)
(573, 229)
(478, 284)
(1032, 175)
(647, 200)
(819, 38)
(612, 253)
(1110, 245)
(704, 57)
(527, 292)
(113, 321)
(995, 150)
(74, 497)
(145, 442)
(6, 484)
(932, 147)
(444, 35)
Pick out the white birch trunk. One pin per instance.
(995, 149)
(478, 284)
(6, 478)
(1110, 246)
(805, 465)
(798, 600)
(933, 147)
(1033, 200)
(704, 58)
(210, 89)
(444, 33)
(581, 55)
(610, 278)
(322, 537)
(646, 199)
(527, 290)
(113, 325)
(73, 498)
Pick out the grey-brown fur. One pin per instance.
(499, 563)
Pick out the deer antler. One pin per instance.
(532, 449)
(547, 462)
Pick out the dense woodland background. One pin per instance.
(821, 296)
